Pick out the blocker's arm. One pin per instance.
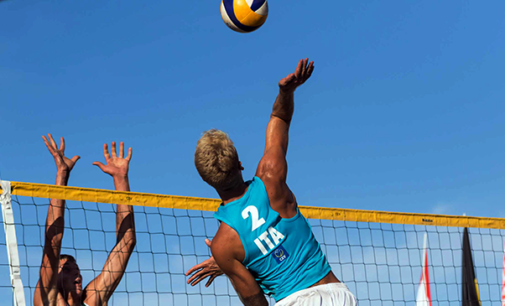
(115, 266)
(46, 292)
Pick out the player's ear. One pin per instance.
(240, 166)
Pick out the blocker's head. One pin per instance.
(216, 160)
(69, 275)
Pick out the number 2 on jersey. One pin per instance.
(256, 222)
(254, 215)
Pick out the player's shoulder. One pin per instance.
(227, 243)
(225, 235)
(270, 168)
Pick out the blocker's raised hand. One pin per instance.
(117, 166)
(63, 164)
(293, 80)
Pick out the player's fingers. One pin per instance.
(193, 280)
(304, 66)
(195, 268)
(195, 277)
(113, 149)
(52, 142)
(299, 68)
(75, 158)
(106, 151)
(211, 279)
(62, 144)
(309, 70)
(194, 283)
(208, 242)
(99, 165)
(121, 149)
(129, 156)
(190, 280)
(200, 278)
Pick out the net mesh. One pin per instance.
(379, 262)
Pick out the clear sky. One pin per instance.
(404, 111)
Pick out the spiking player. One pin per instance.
(60, 280)
(263, 244)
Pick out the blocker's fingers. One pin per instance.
(113, 149)
(99, 165)
(129, 156)
(121, 149)
(75, 158)
(48, 145)
(52, 142)
(211, 279)
(208, 242)
(106, 151)
(62, 144)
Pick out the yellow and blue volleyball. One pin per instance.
(244, 15)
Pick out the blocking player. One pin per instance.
(264, 245)
(60, 281)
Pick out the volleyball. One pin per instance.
(244, 16)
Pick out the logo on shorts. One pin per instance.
(280, 254)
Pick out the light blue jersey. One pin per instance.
(282, 254)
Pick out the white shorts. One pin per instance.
(334, 294)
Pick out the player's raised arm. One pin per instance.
(273, 167)
(46, 292)
(101, 288)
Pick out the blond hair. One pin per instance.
(216, 160)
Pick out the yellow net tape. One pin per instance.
(205, 204)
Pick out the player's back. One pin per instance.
(282, 254)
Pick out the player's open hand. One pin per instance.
(293, 80)
(117, 166)
(63, 164)
(208, 267)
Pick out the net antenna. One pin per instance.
(12, 244)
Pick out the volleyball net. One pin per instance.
(377, 254)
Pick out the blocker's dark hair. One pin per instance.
(69, 258)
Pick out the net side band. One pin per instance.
(205, 204)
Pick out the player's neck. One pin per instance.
(231, 195)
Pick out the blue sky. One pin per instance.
(402, 113)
